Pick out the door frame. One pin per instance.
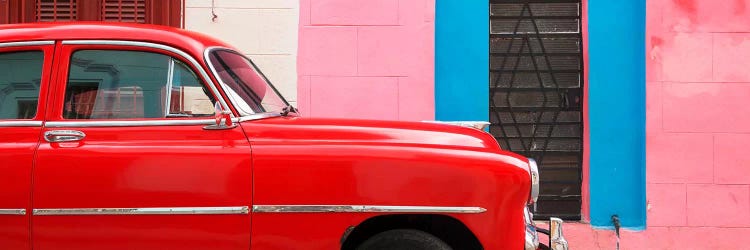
(14, 208)
(167, 206)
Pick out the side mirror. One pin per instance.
(223, 119)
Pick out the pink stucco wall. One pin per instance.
(367, 59)
(374, 59)
(698, 128)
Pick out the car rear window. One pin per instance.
(20, 80)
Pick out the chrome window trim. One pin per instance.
(221, 83)
(20, 124)
(363, 209)
(244, 116)
(168, 88)
(143, 211)
(121, 123)
(258, 116)
(21, 44)
(19, 211)
(29, 43)
(193, 61)
(141, 123)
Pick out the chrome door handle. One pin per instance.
(64, 135)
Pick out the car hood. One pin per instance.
(371, 132)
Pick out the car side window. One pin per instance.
(20, 80)
(112, 84)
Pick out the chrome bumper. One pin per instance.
(556, 239)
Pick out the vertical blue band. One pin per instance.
(616, 108)
(462, 60)
(616, 103)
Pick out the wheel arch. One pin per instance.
(450, 230)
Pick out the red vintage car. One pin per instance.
(147, 137)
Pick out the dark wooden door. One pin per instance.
(536, 94)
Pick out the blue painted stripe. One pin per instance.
(616, 103)
(462, 60)
(616, 108)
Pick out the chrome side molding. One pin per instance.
(19, 211)
(246, 210)
(142, 211)
(20, 123)
(363, 209)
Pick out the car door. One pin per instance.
(24, 76)
(125, 161)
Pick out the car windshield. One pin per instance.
(248, 88)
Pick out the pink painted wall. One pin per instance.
(698, 129)
(374, 59)
(367, 59)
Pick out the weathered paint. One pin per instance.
(366, 59)
(696, 130)
(462, 60)
(616, 112)
(698, 96)
(582, 236)
(585, 202)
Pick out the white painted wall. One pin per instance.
(264, 30)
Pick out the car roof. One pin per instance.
(191, 42)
